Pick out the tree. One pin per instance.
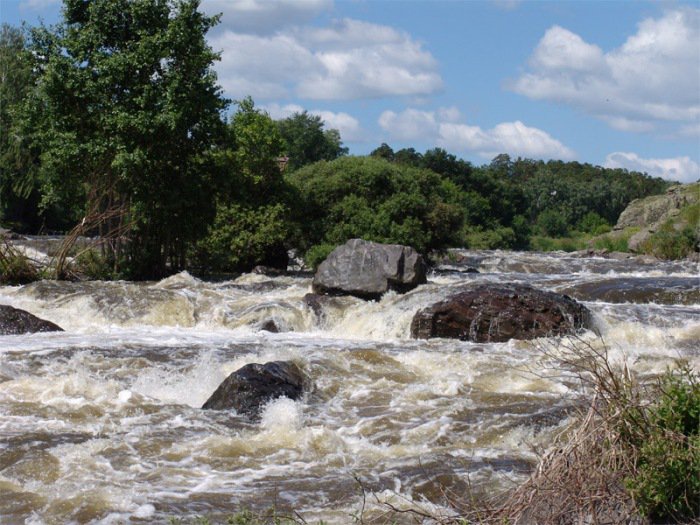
(133, 117)
(307, 142)
(19, 197)
(377, 200)
(252, 221)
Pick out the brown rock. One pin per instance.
(498, 313)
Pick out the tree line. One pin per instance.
(113, 125)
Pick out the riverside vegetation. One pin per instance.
(116, 129)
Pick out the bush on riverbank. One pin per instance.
(15, 267)
(634, 455)
(372, 199)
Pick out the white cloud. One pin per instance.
(652, 77)
(263, 16)
(348, 126)
(681, 169)
(37, 5)
(348, 60)
(514, 138)
(410, 124)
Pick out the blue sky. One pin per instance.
(613, 83)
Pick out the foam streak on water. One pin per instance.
(102, 423)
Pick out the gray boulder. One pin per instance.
(247, 389)
(497, 313)
(14, 321)
(368, 270)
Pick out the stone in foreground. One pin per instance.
(247, 389)
(368, 270)
(14, 321)
(497, 313)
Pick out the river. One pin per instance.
(101, 423)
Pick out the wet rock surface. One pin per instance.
(368, 270)
(14, 321)
(247, 389)
(498, 313)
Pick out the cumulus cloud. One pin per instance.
(652, 77)
(514, 138)
(350, 59)
(410, 124)
(263, 16)
(348, 126)
(37, 5)
(681, 169)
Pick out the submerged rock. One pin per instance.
(368, 270)
(14, 321)
(247, 389)
(498, 313)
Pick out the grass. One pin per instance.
(15, 267)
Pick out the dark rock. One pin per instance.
(498, 313)
(270, 326)
(14, 321)
(247, 389)
(368, 270)
(269, 271)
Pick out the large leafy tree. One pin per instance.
(133, 117)
(306, 141)
(18, 158)
(252, 224)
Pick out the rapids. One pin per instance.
(101, 423)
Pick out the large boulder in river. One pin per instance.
(368, 270)
(14, 321)
(247, 389)
(498, 313)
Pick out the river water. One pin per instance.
(101, 423)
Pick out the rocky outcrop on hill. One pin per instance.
(650, 213)
(14, 321)
(247, 389)
(498, 313)
(368, 270)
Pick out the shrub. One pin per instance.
(378, 201)
(16, 268)
(317, 254)
(669, 243)
(593, 223)
(243, 237)
(91, 264)
(615, 241)
(666, 483)
(552, 222)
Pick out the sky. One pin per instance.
(611, 83)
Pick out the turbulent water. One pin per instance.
(101, 423)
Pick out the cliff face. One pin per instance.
(674, 211)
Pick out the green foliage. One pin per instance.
(317, 254)
(307, 142)
(497, 239)
(671, 243)
(666, 483)
(616, 241)
(376, 200)
(553, 223)
(550, 244)
(19, 195)
(131, 117)
(15, 267)
(92, 265)
(593, 223)
(245, 236)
